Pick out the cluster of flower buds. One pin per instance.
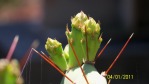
(83, 41)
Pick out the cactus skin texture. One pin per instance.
(85, 39)
(9, 72)
(92, 75)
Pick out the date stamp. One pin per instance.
(122, 76)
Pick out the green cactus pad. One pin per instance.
(92, 75)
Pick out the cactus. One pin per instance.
(83, 44)
(9, 72)
(78, 57)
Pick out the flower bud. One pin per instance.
(10, 71)
(78, 20)
(55, 50)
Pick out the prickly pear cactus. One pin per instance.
(83, 43)
(9, 72)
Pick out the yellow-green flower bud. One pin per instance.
(78, 20)
(84, 39)
(91, 33)
(55, 50)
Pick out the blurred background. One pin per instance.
(39, 19)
